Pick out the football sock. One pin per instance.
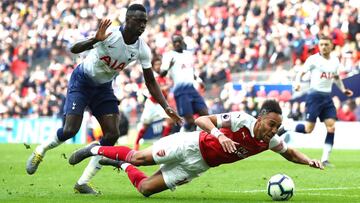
(135, 175)
(116, 152)
(138, 138)
(90, 171)
(50, 143)
(300, 128)
(166, 130)
(329, 142)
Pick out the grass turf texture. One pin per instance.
(244, 181)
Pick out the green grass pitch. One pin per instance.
(244, 181)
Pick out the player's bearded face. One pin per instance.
(270, 124)
(325, 47)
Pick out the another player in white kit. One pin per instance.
(152, 110)
(90, 86)
(179, 63)
(186, 155)
(324, 70)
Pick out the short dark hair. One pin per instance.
(325, 37)
(135, 7)
(270, 106)
(155, 58)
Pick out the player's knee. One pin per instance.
(146, 189)
(138, 159)
(330, 129)
(69, 132)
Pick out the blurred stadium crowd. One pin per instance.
(228, 38)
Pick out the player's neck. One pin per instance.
(326, 56)
(128, 37)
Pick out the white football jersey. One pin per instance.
(108, 57)
(322, 72)
(237, 120)
(183, 69)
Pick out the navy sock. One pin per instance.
(300, 128)
(329, 138)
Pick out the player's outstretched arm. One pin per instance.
(295, 156)
(88, 44)
(155, 91)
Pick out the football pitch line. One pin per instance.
(302, 190)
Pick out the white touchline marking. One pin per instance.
(299, 190)
(327, 194)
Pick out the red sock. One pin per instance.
(166, 130)
(135, 176)
(139, 136)
(117, 152)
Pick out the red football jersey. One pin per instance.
(237, 126)
(162, 81)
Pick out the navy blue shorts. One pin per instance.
(82, 92)
(188, 100)
(320, 105)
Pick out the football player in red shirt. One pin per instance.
(225, 138)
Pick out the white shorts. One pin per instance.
(179, 157)
(152, 112)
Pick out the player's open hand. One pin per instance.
(227, 144)
(101, 32)
(348, 92)
(316, 164)
(174, 116)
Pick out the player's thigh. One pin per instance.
(104, 101)
(184, 105)
(153, 184)
(328, 111)
(72, 123)
(199, 104)
(309, 126)
(313, 109)
(109, 124)
(168, 149)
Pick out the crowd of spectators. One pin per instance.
(228, 37)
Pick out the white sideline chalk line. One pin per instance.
(300, 190)
(327, 194)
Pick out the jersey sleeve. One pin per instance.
(112, 38)
(308, 65)
(165, 63)
(145, 55)
(233, 120)
(277, 144)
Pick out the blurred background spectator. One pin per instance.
(246, 42)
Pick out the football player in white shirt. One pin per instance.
(180, 66)
(225, 138)
(90, 86)
(324, 70)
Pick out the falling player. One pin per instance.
(90, 85)
(186, 155)
(152, 110)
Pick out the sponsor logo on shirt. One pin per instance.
(160, 153)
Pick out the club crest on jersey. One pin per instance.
(326, 75)
(160, 153)
(113, 64)
(225, 117)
